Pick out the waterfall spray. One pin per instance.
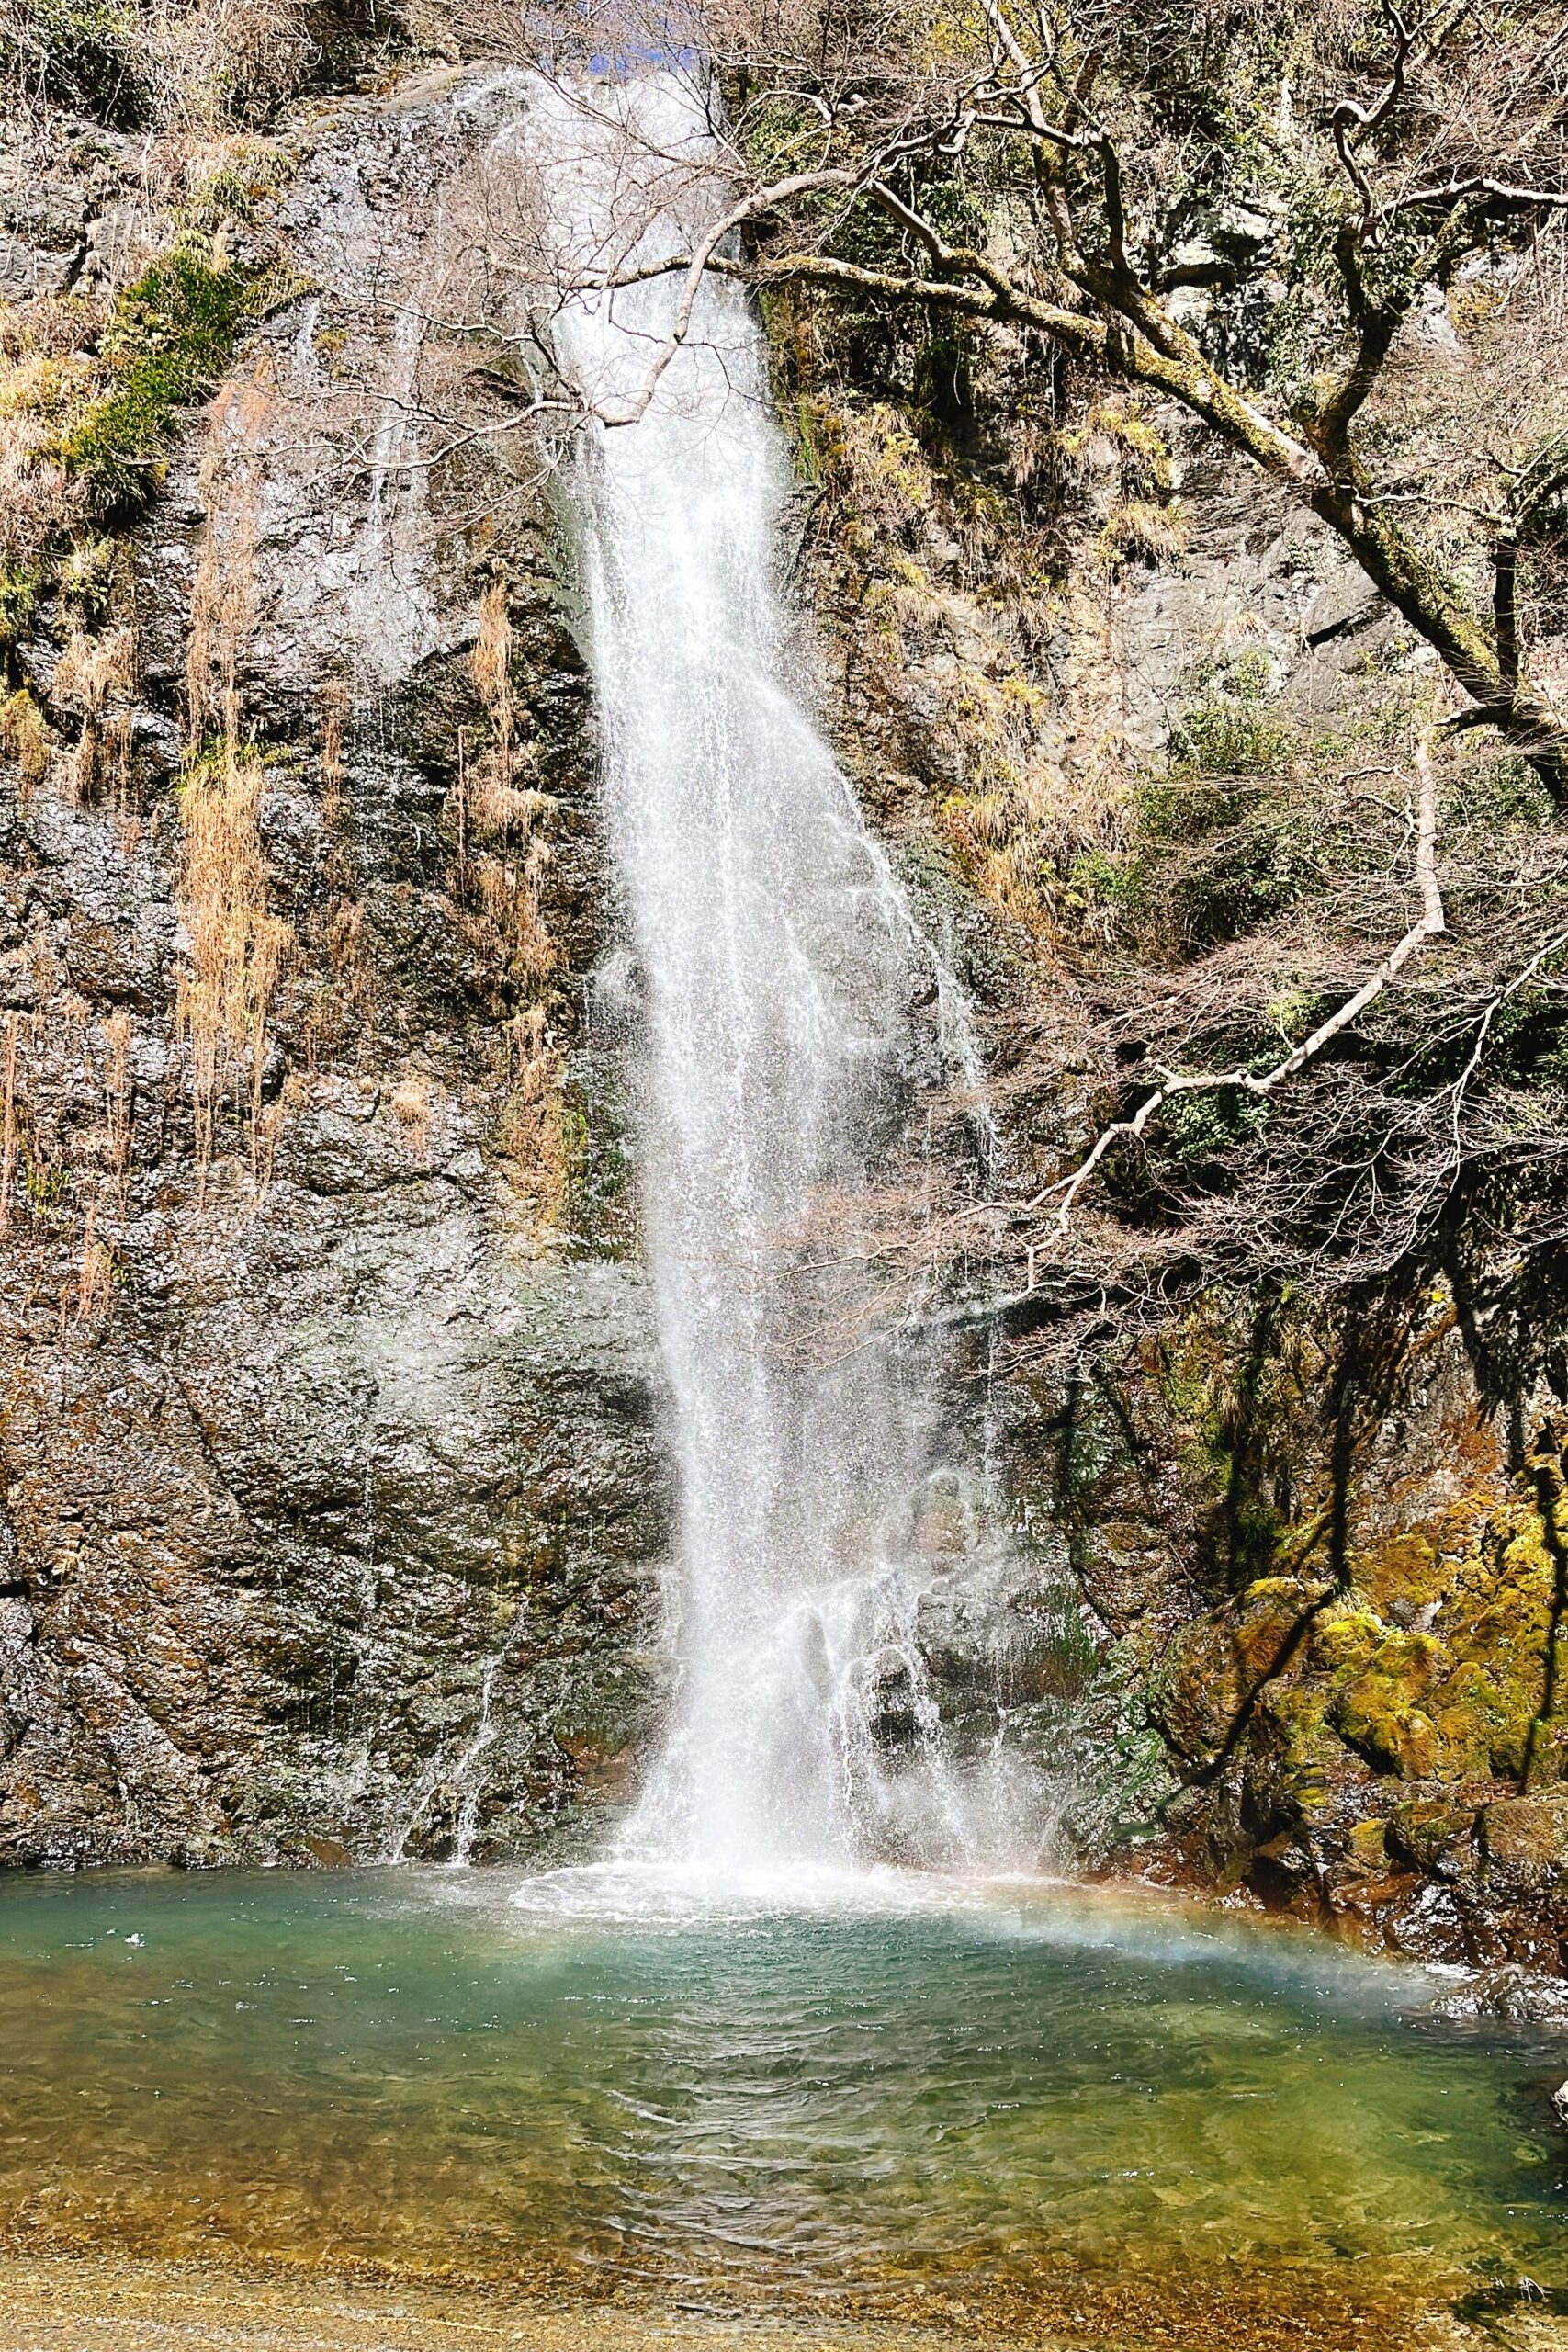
(779, 966)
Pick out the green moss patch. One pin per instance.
(170, 339)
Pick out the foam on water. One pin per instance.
(629, 1891)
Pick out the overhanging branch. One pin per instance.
(1429, 924)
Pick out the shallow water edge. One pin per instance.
(49, 2302)
(56, 2302)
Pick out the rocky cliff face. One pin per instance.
(1313, 1555)
(334, 1488)
(332, 1494)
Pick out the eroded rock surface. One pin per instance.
(333, 1500)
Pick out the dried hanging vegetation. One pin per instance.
(222, 607)
(94, 1277)
(504, 855)
(62, 1186)
(337, 989)
(188, 64)
(410, 1102)
(49, 376)
(27, 741)
(95, 679)
(236, 947)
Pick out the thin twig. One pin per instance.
(1429, 924)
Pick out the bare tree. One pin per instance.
(1401, 152)
(1048, 177)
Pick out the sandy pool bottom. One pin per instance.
(54, 2303)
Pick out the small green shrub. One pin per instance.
(169, 339)
(89, 55)
(1236, 728)
(1230, 737)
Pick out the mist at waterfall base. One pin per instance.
(790, 1021)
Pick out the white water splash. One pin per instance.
(779, 966)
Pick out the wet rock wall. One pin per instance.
(333, 1500)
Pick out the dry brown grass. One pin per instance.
(236, 946)
(503, 858)
(37, 500)
(411, 1108)
(338, 993)
(496, 805)
(226, 59)
(47, 383)
(49, 326)
(533, 1124)
(490, 663)
(509, 892)
(94, 1278)
(60, 1181)
(169, 61)
(92, 671)
(47, 380)
(222, 607)
(27, 739)
(95, 679)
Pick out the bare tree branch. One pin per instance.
(1428, 925)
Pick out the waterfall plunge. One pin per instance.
(779, 966)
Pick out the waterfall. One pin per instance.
(780, 1051)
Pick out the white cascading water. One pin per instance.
(778, 965)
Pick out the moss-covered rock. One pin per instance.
(1216, 1668)
(1433, 1834)
(1380, 1706)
